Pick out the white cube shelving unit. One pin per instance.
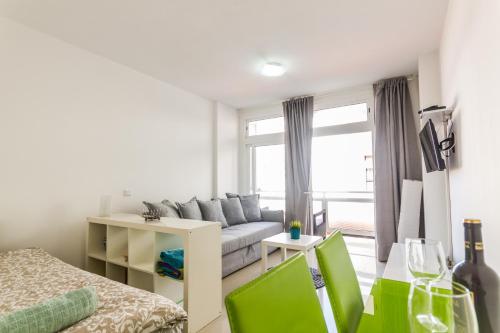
(125, 249)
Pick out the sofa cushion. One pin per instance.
(163, 209)
(233, 211)
(250, 204)
(251, 207)
(171, 210)
(273, 215)
(238, 236)
(190, 209)
(212, 211)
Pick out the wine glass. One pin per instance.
(444, 307)
(426, 258)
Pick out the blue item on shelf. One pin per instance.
(167, 270)
(173, 257)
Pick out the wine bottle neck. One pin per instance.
(474, 251)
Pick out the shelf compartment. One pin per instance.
(164, 285)
(166, 241)
(96, 266)
(141, 249)
(141, 280)
(147, 267)
(116, 273)
(117, 245)
(170, 288)
(97, 241)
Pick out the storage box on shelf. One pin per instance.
(124, 248)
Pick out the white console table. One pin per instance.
(124, 248)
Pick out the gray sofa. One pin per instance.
(240, 237)
(241, 242)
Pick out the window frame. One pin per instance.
(322, 102)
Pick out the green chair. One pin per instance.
(341, 283)
(281, 300)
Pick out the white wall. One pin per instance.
(430, 75)
(227, 141)
(413, 87)
(75, 126)
(436, 196)
(470, 69)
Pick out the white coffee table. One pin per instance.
(283, 241)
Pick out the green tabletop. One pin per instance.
(390, 305)
(390, 308)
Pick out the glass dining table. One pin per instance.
(386, 309)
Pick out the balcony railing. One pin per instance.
(350, 211)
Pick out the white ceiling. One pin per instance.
(215, 47)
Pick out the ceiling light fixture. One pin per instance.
(272, 69)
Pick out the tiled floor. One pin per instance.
(362, 252)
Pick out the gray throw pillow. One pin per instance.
(233, 211)
(272, 215)
(212, 211)
(190, 209)
(161, 208)
(171, 209)
(250, 204)
(251, 207)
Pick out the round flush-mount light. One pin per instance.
(272, 69)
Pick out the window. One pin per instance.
(269, 174)
(341, 115)
(266, 126)
(342, 170)
(339, 162)
(322, 118)
(270, 169)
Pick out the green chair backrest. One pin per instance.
(341, 283)
(281, 300)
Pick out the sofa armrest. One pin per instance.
(269, 215)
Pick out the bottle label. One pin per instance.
(478, 246)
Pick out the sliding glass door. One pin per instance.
(342, 168)
(342, 176)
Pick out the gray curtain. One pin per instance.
(396, 157)
(298, 113)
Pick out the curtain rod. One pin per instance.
(409, 77)
(412, 77)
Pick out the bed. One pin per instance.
(30, 276)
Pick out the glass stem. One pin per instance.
(428, 287)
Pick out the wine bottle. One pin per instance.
(479, 278)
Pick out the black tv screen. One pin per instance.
(430, 148)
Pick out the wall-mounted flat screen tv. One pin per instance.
(430, 148)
